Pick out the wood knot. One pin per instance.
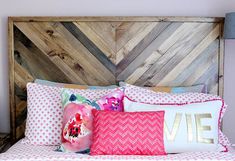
(50, 32)
(52, 53)
(78, 67)
(62, 55)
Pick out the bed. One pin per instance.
(144, 51)
(22, 152)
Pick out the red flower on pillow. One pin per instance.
(77, 127)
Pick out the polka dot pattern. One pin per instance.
(44, 115)
(27, 152)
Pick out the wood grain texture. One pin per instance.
(146, 51)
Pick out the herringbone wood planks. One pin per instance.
(102, 51)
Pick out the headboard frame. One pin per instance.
(145, 51)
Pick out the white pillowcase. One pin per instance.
(44, 112)
(139, 94)
(189, 127)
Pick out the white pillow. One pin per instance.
(189, 127)
(139, 94)
(44, 112)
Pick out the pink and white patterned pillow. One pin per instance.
(44, 112)
(127, 133)
(142, 95)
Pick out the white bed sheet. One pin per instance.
(26, 152)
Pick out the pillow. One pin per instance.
(139, 94)
(125, 133)
(77, 119)
(74, 86)
(187, 128)
(200, 88)
(44, 112)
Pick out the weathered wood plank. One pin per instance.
(119, 18)
(201, 71)
(99, 74)
(60, 53)
(76, 32)
(107, 31)
(97, 40)
(134, 54)
(32, 59)
(188, 59)
(125, 51)
(11, 76)
(211, 78)
(175, 53)
(221, 61)
(205, 56)
(143, 68)
(51, 50)
(22, 77)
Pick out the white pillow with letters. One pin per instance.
(189, 127)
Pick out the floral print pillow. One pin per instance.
(77, 118)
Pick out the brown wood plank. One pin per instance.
(96, 69)
(130, 48)
(97, 40)
(107, 31)
(127, 30)
(173, 55)
(119, 18)
(134, 54)
(22, 77)
(51, 50)
(191, 56)
(93, 49)
(11, 76)
(130, 65)
(203, 57)
(221, 61)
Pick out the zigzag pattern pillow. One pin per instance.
(127, 133)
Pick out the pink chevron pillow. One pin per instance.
(127, 133)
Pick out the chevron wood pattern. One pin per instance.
(145, 51)
(133, 133)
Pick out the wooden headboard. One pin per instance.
(145, 51)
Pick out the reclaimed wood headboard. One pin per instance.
(145, 51)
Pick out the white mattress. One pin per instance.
(25, 152)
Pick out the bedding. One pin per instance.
(74, 86)
(190, 127)
(44, 112)
(200, 88)
(28, 152)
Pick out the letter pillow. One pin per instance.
(77, 118)
(139, 94)
(187, 128)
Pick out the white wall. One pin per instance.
(116, 8)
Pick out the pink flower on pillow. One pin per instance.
(112, 101)
(77, 127)
(77, 118)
